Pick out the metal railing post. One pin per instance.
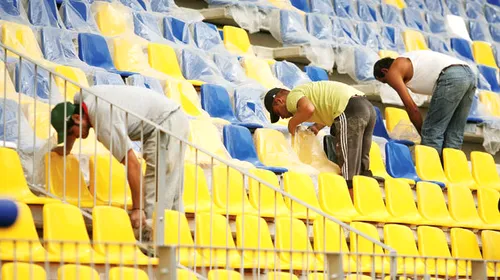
(167, 266)
(160, 171)
(335, 266)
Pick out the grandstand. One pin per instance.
(257, 203)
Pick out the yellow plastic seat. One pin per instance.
(162, 57)
(183, 274)
(400, 203)
(432, 243)
(236, 40)
(21, 271)
(196, 196)
(68, 90)
(487, 200)
(178, 233)
(259, 70)
(127, 273)
(428, 165)
(414, 40)
(463, 209)
(114, 237)
(281, 276)
(13, 184)
(253, 233)
(393, 116)
(483, 54)
(432, 206)
(317, 276)
(396, 3)
(484, 170)
(362, 245)
(228, 189)
(6, 85)
(368, 200)
(213, 230)
(77, 272)
(464, 245)
(457, 169)
(388, 53)
(265, 199)
(329, 237)
(20, 241)
(111, 18)
(222, 274)
(357, 277)
(334, 197)
(274, 150)
(491, 101)
(401, 239)
(37, 114)
(20, 38)
(185, 94)
(292, 234)
(66, 235)
(300, 186)
(100, 183)
(491, 248)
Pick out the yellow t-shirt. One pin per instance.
(329, 99)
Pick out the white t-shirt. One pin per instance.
(427, 66)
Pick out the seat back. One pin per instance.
(128, 55)
(177, 231)
(456, 167)
(322, 6)
(163, 58)
(239, 143)
(253, 232)
(368, 197)
(432, 243)
(122, 273)
(259, 70)
(367, 11)
(399, 199)
(464, 244)
(114, 190)
(491, 101)
(19, 270)
(490, 74)
(293, 30)
(393, 116)
(436, 23)
(377, 166)
(272, 147)
(414, 41)
(14, 183)
(184, 93)
(57, 45)
(491, 246)
(329, 237)
(195, 194)
(462, 48)
(236, 40)
(281, 275)
(461, 205)
(428, 164)
(76, 271)
(223, 274)
(205, 135)
(206, 36)
(431, 203)
(320, 26)
(414, 19)
(112, 19)
(400, 4)
(6, 85)
(483, 54)
(228, 188)
(380, 129)
(43, 13)
(184, 274)
(487, 200)
(21, 39)
(264, 197)
(214, 230)
(401, 239)
(289, 74)
(298, 241)
(215, 100)
(361, 245)
(76, 16)
(334, 196)
(68, 90)
(316, 74)
(399, 162)
(146, 26)
(93, 50)
(300, 185)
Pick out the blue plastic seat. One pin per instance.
(436, 23)
(438, 45)
(492, 14)
(494, 2)
(416, 4)
(230, 67)
(434, 6)
(43, 13)
(462, 49)
(478, 31)
(319, 26)
(289, 74)
(381, 131)
(392, 39)
(292, 28)
(249, 107)
(495, 32)
(301, 5)
(12, 118)
(215, 100)
(345, 9)
(93, 50)
(57, 45)
(390, 15)
(364, 60)
(76, 15)
(322, 6)
(413, 19)
(107, 78)
(196, 65)
(176, 30)
(474, 115)
(239, 143)
(491, 76)
(368, 36)
(455, 7)
(146, 82)
(146, 26)
(347, 29)
(366, 11)
(496, 52)
(473, 10)
(136, 5)
(316, 74)
(162, 6)
(25, 81)
(206, 36)
(10, 11)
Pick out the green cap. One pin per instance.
(59, 119)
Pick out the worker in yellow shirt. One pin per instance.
(350, 116)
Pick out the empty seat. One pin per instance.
(298, 241)
(129, 56)
(259, 70)
(377, 166)
(107, 78)
(401, 239)
(113, 19)
(432, 206)
(19, 270)
(311, 152)
(113, 235)
(65, 234)
(490, 75)
(76, 271)
(432, 243)
(289, 74)
(491, 248)
(114, 190)
(68, 90)
(414, 19)
(395, 116)
(316, 74)
(178, 233)
(146, 26)
(21, 39)
(390, 14)
(399, 162)
(457, 169)
(206, 36)
(491, 102)
(184, 274)
(322, 6)
(428, 165)
(491, 12)
(380, 129)
(57, 46)
(474, 10)
(462, 49)
(400, 4)
(438, 45)
(400, 203)
(196, 196)
(368, 200)
(281, 276)
(185, 94)
(292, 29)
(464, 245)
(414, 41)
(43, 13)
(483, 53)
(301, 186)
(436, 23)
(127, 273)
(334, 197)
(35, 87)
(488, 200)
(176, 30)
(268, 202)
(392, 38)
(223, 274)
(463, 209)
(361, 245)
(228, 189)
(479, 31)
(367, 11)
(77, 16)
(236, 40)
(369, 37)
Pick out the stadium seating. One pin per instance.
(19, 270)
(484, 170)
(76, 271)
(118, 273)
(334, 197)
(432, 206)
(368, 200)
(457, 169)
(268, 202)
(364, 246)
(401, 239)
(300, 185)
(432, 243)
(400, 203)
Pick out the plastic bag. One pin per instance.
(289, 74)
(405, 130)
(491, 134)
(246, 15)
(76, 15)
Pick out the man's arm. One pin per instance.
(70, 141)
(316, 128)
(134, 179)
(305, 110)
(395, 80)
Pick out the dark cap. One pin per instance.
(59, 119)
(268, 102)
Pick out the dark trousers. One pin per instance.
(353, 131)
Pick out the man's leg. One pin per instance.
(149, 181)
(367, 139)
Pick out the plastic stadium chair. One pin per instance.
(457, 169)
(111, 225)
(266, 200)
(399, 162)
(462, 49)
(368, 36)
(428, 165)
(223, 274)
(474, 10)
(6, 85)
(76, 189)
(400, 203)
(19, 270)
(463, 209)
(215, 100)
(483, 54)
(196, 196)
(259, 70)
(66, 236)
(43, 13)
(414, 19)
(322, 6)
(111, 18)
(252, 232)
(13, 184)
(146, 26)
(368, 200)
(236, 40)
(77, 16)
(239, 143)
(478, 31)
(432, 206)
(367, 11)
(361, 245)
(184, 274)
(491, 102)
(292, 28)
(329, 237)
(136, 5)
(93, 49)
(400, 4)
(393, 116)
(414, 41)
(487, 200)
(432, 243)
(57, 45)
(316, 74)
(484, 170)
(115, 190)
(434, 6)
(289, 74)
(492, 14)
(491, 248)
(436, 23)
(10, 10)
(125, 273)
(300, 185)
(334, 197)
(178, 233)
(176, 30)
(76, 271)
(281, 275)
(206, 36)
(68, 90)
(302, 5)
(228, 189)
(320, 26)
(464, 245)
(21, 39)
(391, 14)
(298, 241)
(401, 239)
(491, 76)
(380, 129)
(107, 78)
(377, 166)
(345, 8)
(25, 76)
(392, 38)
(495, 34)
(185, 94)
(438, 45)
(474, 114)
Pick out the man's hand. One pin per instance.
(292, 127)
(138, 218)
(315, 128)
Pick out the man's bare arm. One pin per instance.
(134, 179)
(305, 110)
